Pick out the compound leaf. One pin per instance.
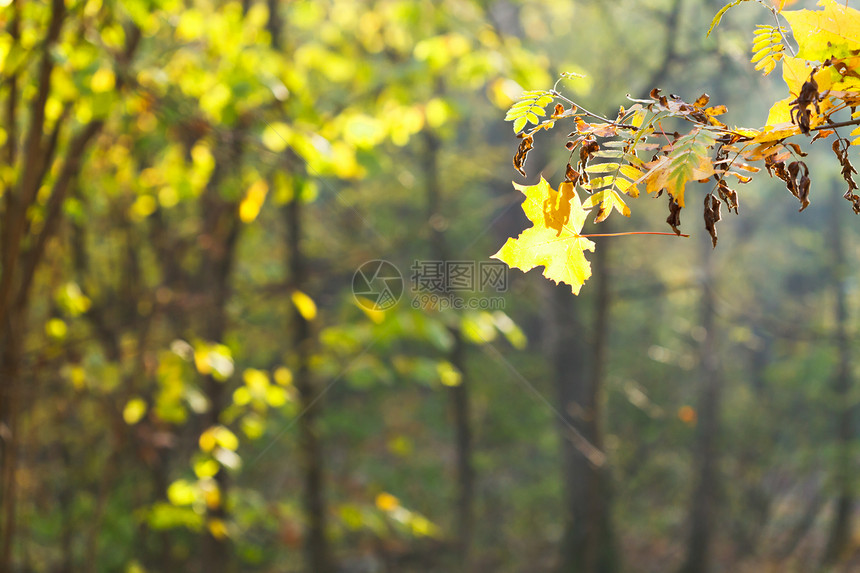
(608, 200)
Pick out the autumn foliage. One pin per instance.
(664, 144)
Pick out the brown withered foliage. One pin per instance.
(730, 196)
(712, 215)
(796, 177)
(571, 175)
(798, 182)
(840, 148)
(587, 149)
(800, 112)
(526, 145)
(674, 218)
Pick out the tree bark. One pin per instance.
(587, 544)
(460, 403)
(317, 552)
(220, 234)
(10, 364)
(20, 257)
(702, 504)
(459, 394)
(840, 530)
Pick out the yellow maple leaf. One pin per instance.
(832, 31)
(796, 71)
(553, 241)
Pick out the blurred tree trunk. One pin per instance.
(10, 360)
(459, 394)
(22, 245)
(219, 235)
(840, 530)
(318, 559)
(588, 545)
(463, 445)
(702, 504)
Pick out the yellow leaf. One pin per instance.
(780, 113)
(225, 438)
(181, 492)
(305, 305)
(780, 132)
(553, 241)
(780, 4)
(767, 66)
(56, 328)
(256, 380)
(212, 498)
(387, 502)
(796, 71)
(103, 80)
(760, 54)
(206, 468)
(250, 206)
(242, 396)
(276, 136)
(832, 31)
(218, 528)
(631, 172)
(283, 376)
(627, 187)
(377, 316)
(608, 200)
(133, 411)
(276, 396)
(437, 112)
(448, 374)
(207, 440)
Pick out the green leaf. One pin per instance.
(716, 21)
(529, 108)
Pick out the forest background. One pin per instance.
(188, 381)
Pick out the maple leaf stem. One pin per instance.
(634, 233)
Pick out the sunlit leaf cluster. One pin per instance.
(644, 145)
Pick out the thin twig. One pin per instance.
(600, 117)
(779, 29)
(834, 125)
(634, 233)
